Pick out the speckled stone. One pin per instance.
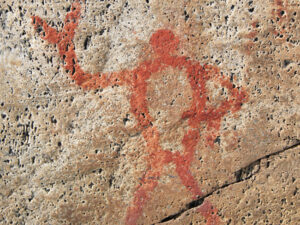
(78, 152)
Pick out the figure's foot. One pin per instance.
(209, 212)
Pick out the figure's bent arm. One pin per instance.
(66, 48)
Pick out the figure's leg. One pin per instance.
(183, 162)
(142, 194)
(156, 160)
(209, 212)
(187, 178)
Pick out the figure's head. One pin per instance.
(164, 42)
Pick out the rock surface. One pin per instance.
(149, 112)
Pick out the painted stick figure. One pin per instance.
(164, 44)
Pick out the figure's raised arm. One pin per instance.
(64, 41)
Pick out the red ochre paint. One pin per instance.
(164, 44)
(209, 213)
(280, 15)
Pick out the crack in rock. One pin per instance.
(241, 175)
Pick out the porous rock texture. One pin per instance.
(149, 112)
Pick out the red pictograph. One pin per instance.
(164, 44)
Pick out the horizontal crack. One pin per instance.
(245, 173)
(242, 174)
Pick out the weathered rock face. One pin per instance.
(148, 112)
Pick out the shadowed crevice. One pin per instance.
(241, 175)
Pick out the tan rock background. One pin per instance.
(71, 156)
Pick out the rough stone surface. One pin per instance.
(269, 195)
(139, 144)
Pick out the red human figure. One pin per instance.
(164, 44)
